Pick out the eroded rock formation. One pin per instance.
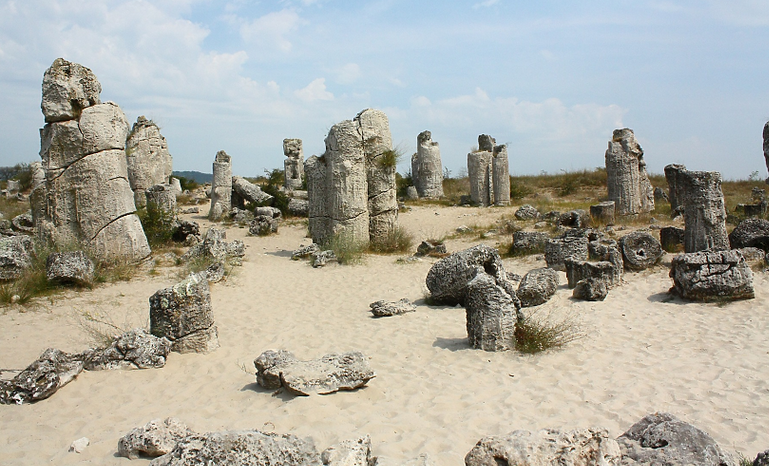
(221, 187)
(293, 166)
(489, 173)
(628, 183)
(149, 162)
(426, 167)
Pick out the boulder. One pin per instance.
(604, 249)
(704, 210)
(567, 247)
(603, 212)
(298, 207)
(23, 223)
(41, 379)
(392, 308)
(491, 314)
(582, 447)
(356, 452)
(183, 314)
(712, 276)
(242, 448)
(601, 270)
(68, 88)
(527, 212)
(448, 278)
(537, 286)
(640, 250)
(575, 219)
(431, 248)
(752, 232)
(329, 374)
(672, 239)
(16, 253)
(214, 247)
(663, 439)
(263, 225)
(73, 267)
(529, 242)
(426, 167)
(156, 438)
(762, 459)
(249, 192)
(293, 166)
(305, 251)
(186, 231)
(591, 289)
(321, 258)
(135, 349)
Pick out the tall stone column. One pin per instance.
(221, 187)
(479, 172)
(671, 176)
(149, 162)
(501, 176)
(317, 199)
(766, 147)
(426, 167)
(704, 211)
(293, 166)
(622, 172)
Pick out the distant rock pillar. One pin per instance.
(480, 176)
(149, 162)
(766, 147)
(671, 176)
(704, 211)
(317, 199)
(489, 173)
(501, 176)
(293, 166)
(628, 183)
(221, 187)
(426, 167)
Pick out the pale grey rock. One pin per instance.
(578, 218)
(183, 314)
(491, 314)
(241, 448)
(431, 248)
(663, 439)
(272, 212)
(675, 196)
(156, 438)
(176, 185)
(412, 193)
(16, 253)
(605, 249)
(480, 174)
(79, 445)
(752, 232)
(263, 225)
(248, 192)
(672, 239)
(628, 183)
(753, 255)
(12, 187)
(221, 187)
(354, 452)
(426, 167)
(547, 447)
(529, 242)
(704, 210)
(305, 251)
(135, 349)
(577, 271)
(603, 212)
(712, 276)
(501, 176)
(298, 207)
(149, 162)
(660, 195)
(392, 308)
(527, 212)
(591, 289)
(68, 88)
(448, 278)
(537, 286)
(321, 258)
(214, 247)
(41, 379)
(331, 373)
(293, 166)
(640, 250)
(72, 267)
(241, 216)
(557, 250)
(160, 202)
(215, 272)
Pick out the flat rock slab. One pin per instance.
(329, 374)
(41, 379)
(391, 308)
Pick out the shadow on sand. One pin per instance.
(452, 344)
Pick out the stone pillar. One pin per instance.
(628, 183)
(704, 210)
(317, 213)
(426, 167)
(501, 176)
(293, 166)
(149, 162)
(671, 176)
(766, 147)
(221, 187)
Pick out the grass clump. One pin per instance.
(158, 225)
(398, 240)
(347, 250)
(536, 333)
(389, 158)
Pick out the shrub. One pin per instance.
(187, 183)
(399, 240)
(158, 225)
(535, 333)
(346, 250)
(390, 158)
(272, 185)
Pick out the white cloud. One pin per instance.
(314, 91)
(271, 29)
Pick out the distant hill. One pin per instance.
(199, 177)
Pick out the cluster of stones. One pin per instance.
(628, 183)
(489, 173)
(426, 167)
(86, 197)
(351, 187)
(229, 194)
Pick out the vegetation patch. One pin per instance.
(535, 332)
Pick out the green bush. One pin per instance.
(158, 225)
(346, 250)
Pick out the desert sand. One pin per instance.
(643, 352)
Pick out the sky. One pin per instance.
(552, 79)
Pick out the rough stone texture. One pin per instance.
(421, 460)
(304, 251)
(527, 212)
(501, 176)
(183, 314)
(356, 452)
(603, 212)
(187, 232)
(762, 459)
(660, 195)
(491, 314)
(752, 232)
(591, 289)
(135, 349)
(392, 308)
(712, 276)
(672, 239)
(221, 187)
(559, 249)
(321, 258)
(578, 218)
(628, 183)
(676, 199)
(160, 201)
(766, 144)
(529, 242)
(156, 438)
(431, 248)
(448, 278)
(263, 225)
(329, 374)
(242, 448)
(753, 255)
(244, 191)
(640, 250)
(537, 286)
(68, 88)
(582, 447)
(488, 172)
(412, 193)
(41, 379)
(603, 249)
(72, 267)
(298, 207)
(426, 167)
(601, 270)
(23, 223)
(213, 246)
(663, 439)
(704, 211)
(149, 162)
(16, 254)
(293, 166)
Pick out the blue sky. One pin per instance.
(552, 79)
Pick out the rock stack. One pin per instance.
(426, 167)
(628, 183)
(489, 173)
(149, 162)
(293, 166)
(221, 187)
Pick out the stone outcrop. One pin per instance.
(392, 308)
(640, 250)
(752, 232)
(16, 253)
(41, 379)
(582, 447)
(293, 166)
(704, 212)
(578, 218)
(604, 249)
(329, 374)
(156, 438)
(663, 439)
(73, 267)
(135, 349)
(221, 187)
(628, 183)
(489, 173)
(577, 271)
(537, 286)
(491, 314)
(529, 242)
(149, 162)
(86, 197)
(160, 202)
(426, 167)
(183, 314)
(674, 194)
(432, 248)
(712, 276)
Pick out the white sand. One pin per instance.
(703, 362)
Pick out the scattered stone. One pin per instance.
(491, 314)
(527, 212)
(186, 232)
(601, 270)
(156, 438)
(628, 183)
(591, 289)
(221, 187)
(329, 374)
(575, 219)
(148, 161)
(355, 452)
(293, 166)
(321, 258)
(432, 248)
(244, 191)
(426, 167)
(263, 225)
(537, 286)
(23, 223)
(529, 242)
(392, 308)
(69, 268)
(16, 254)
(567, 247)
(640, 250)
(663, 439)
(79, 445)
(462, 229)
(41, 379)
(489, 173)
(448, 278)
(672, 239)
(712, 276)
(135, 349)
(753, 232)
(305, 251)
(603, 212)
(191, 210)
(582, 447)
(214, 247)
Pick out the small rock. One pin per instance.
(79, 445)
(392, 308)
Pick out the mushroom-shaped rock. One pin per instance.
(640, 250)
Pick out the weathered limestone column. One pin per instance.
(221, 187)
(293, 166)
(704, 211)
(86, 198)
(317, 197)
(426, 167)
(501, 176)
(671, 176)
(489, 173)
(479, 172)
(628, 183)
(374, 129)
(149, 162)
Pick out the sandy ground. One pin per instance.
(643, 352)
